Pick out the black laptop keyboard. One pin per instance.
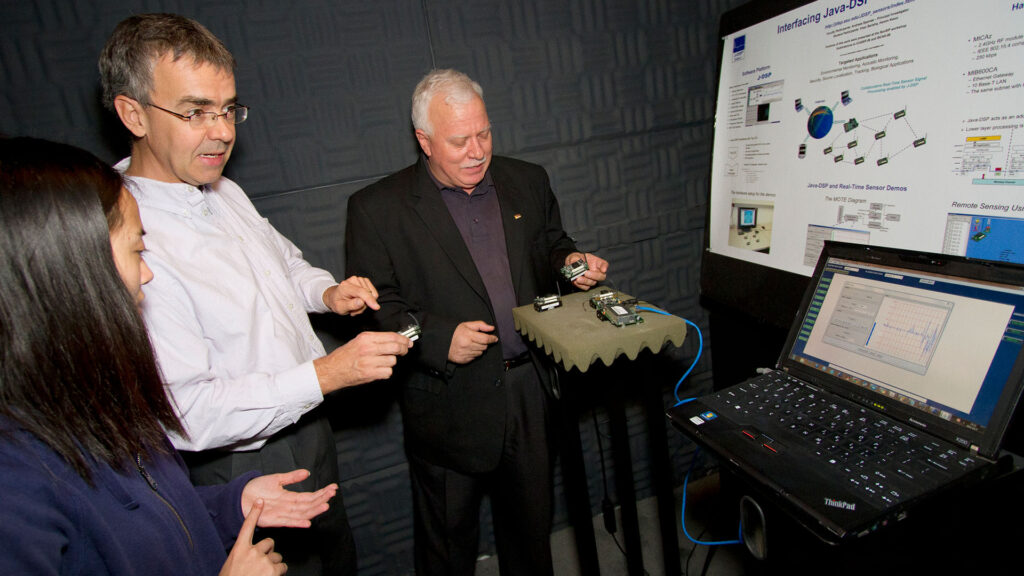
(886, 461)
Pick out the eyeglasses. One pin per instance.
(234, 114)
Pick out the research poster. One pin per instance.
(896, 123)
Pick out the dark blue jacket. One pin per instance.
(52, 522)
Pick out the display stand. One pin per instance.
(576, 339)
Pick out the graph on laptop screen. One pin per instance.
(945, 346)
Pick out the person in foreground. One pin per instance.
(89, 481)
(458, 240)
(228, 309)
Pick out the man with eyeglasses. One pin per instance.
(227, 308)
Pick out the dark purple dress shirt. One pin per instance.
(478, 218)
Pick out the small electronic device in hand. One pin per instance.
(574, 270)
(542, 303)
(412, 332)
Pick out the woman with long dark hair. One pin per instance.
(88, 481)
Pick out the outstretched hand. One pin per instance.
(352, 296)
(284, 508)
(367, 357)
(248, 559)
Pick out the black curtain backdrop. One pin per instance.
(614, 97)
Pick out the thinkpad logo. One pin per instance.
(839, 504)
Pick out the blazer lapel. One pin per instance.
(432, 210)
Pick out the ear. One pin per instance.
(424, 141)
(132, 115)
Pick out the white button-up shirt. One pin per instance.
(227, 313)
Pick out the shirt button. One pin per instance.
(497, 383)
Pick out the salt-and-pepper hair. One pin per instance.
(127, 60)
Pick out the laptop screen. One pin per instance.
(934, 346)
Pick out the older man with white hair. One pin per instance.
(456, 241)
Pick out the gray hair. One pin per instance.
(456, 86)
(126, 63)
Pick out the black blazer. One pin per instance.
(401, 236)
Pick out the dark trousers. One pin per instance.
(446, 503)
(325, 548)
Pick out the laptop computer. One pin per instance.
(896, 383)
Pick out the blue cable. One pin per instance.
(682, 513)
(686, 481)
(700, 349)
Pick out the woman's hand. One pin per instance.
(248, 559)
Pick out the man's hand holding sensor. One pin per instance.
(596, 273)
(367, 357)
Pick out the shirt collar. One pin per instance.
(172, 196)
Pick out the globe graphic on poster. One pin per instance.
(820, 122)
